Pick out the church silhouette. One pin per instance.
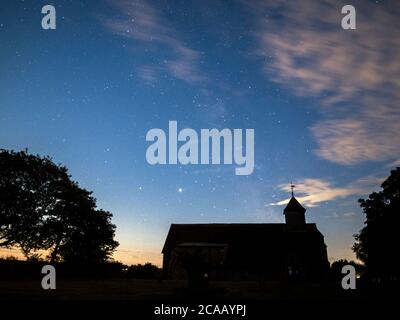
(250, 251)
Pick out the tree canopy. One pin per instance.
(42, 208)
(377, 243)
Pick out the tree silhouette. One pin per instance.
(41, 208)
(377, 243)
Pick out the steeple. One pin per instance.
(294, 213)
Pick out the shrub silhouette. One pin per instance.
(143, 271)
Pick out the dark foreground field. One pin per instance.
(169, 290)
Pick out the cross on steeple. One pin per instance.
(292, 186)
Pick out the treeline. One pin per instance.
(11, 268)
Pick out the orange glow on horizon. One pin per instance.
(125, 256)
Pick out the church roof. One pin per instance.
(294, 206)
(239, 235)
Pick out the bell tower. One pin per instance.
(294, 213)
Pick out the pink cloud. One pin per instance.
(311, 191)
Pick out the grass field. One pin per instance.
(169, 290)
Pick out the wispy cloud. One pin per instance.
(372, 135)
(394, 164)
(148, 73)
(349, 214)
(354, 74)
(312, 192)
(141, 22)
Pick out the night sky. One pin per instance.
(323, 102)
